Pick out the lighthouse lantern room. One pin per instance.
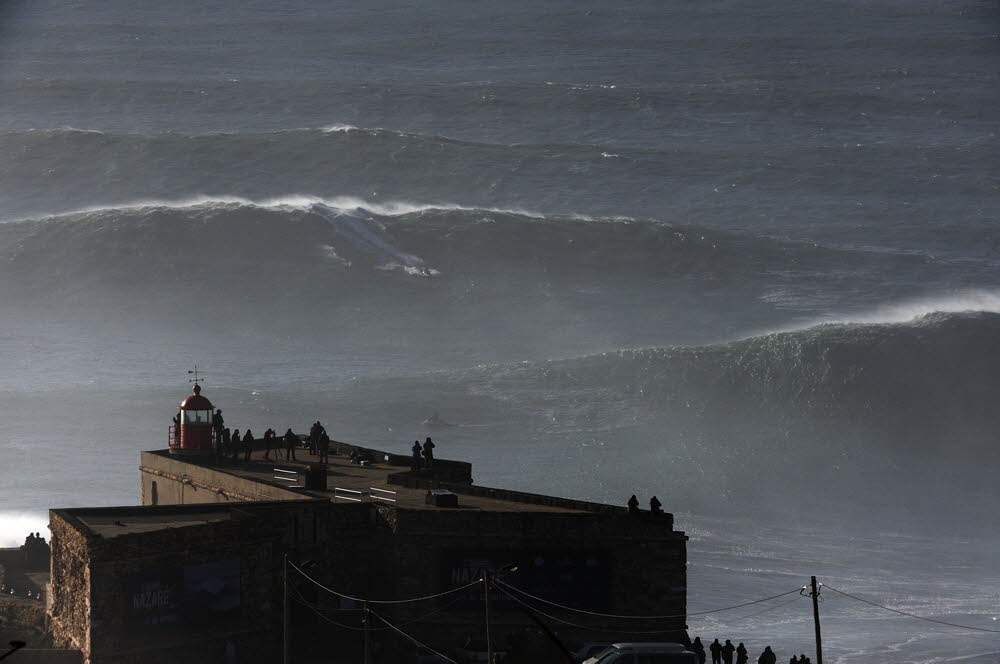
(193, 425)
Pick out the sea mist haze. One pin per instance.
(744, 256)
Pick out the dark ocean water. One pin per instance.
(742, 255)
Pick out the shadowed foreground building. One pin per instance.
(196, 573)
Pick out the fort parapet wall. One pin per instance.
(168, 480)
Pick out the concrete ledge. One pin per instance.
(414, 480)
(444, 470)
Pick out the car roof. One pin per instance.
(673, 647)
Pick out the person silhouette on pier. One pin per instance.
(633, 508)
(323, 446)
(741, 654)
(699, 649)
(291, 440)
(269, 436)
(727, 652)
(428, 452)
(235, 444)
(767, 657)
(716, 647)
(417, 451)
(225, 442)
(655, 505)
(314, 432)
(247, 445)
(177, 430)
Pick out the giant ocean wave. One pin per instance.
(727, 186)
(571, 275)
(563, 238)
(875, 420)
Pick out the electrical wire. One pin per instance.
(431, 613)
(302, 600)
(911, 615)
(424, 646)
(573, 624)
(612, 615)
(772, 608)
(384, 601)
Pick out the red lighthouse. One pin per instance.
(193, 434)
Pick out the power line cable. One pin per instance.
(770, 608)
(612, 615)
(430, 613)
(911, 615)
(587, 627)
(384, 601)
(302, 600)
(422, 645)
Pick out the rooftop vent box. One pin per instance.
(441, 498)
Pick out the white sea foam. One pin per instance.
(905, 311)
(304, 202)
(69, 129)
(978, 300)
(338, 128)
(331, 252)
(412, 270)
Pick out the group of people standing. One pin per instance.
(655, 506)
(423, 457)
(230, 443)
(319, 442)
(723, 654)
(35, 551)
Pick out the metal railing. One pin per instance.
(373, 494)
(293, 476)
(389, 496)
(353, 495)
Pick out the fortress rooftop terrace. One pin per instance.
(389, 479)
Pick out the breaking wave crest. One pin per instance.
(888, 418)
(306, 240)
(287, 203)
(936, 356)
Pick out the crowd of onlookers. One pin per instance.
(231, 444)
(723, 654)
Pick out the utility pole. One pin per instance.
(819, 638)
(486, 596)
(365, 620)
(286, 618)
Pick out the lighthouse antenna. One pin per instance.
(196, 378)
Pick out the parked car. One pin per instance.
(588, 650)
